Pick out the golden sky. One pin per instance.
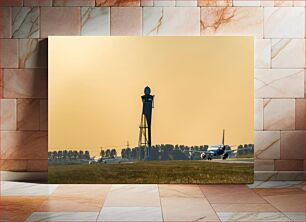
(201, 85)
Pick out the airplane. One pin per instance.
(104, 160)
(217, 150)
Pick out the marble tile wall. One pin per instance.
(277, 25)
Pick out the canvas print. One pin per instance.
(150, 110)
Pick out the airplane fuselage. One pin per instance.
(216, 150)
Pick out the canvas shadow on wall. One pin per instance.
(150, 109)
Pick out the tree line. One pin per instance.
(69, 155)
(174, 152)
(164, 152)
(157, 152)
(108, 153)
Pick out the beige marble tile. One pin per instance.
(299, 3)
(129, 214)
(289, 165)
(295, 216)
(171, 21)
(92, 191)
(263, 165)
(146, 3)
(37, 2)
(8, 53)
(267, 145)
(51, 17)
(253, 216)
(26, 189)
(73, 2)
(284, 22)
(5, 3)
(95, 21)
(279, 3)
(25, 83)
(276, 184)
(258, 114)
(5, 22)
(24, 145)
(63, 216)
(262, 207)
(304, 83)
(279, 83)
(28, 114)
(292, 145)
(183, 191)
(187, 209)
(71, 204)
(230, 194)
(300, 114)
(186, 3)
(133, 196)
(25, 22)
(278, 191)
(282, 176)
(207, 3)
(37, 165)
(126, 21)
(8, 114)
(262, 53)
(33, 53)
(247, 3)
(267, 3)
(288, 53)
(284, 199)
(43, 115)
(163, 3)
(279, 114)
(232, 21)
(13, 165)
(18, 208)
(118, 3)
(1, 83)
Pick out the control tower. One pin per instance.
(145, 124)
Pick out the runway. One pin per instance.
(232, 161)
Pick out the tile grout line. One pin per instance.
(209, 202)
(104, 202)
(278, 210)
(267, 202)
(160, 203)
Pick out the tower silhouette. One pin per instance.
(145, 123)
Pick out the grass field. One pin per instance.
(204, 172)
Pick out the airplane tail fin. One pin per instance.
(223, 138)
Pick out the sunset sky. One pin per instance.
(201, 85)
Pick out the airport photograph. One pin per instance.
(152, 110)
(172, 118)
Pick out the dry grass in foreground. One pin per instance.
(173, 171)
